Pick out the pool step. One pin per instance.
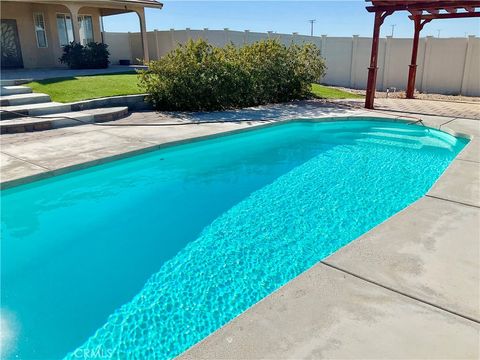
(14, 90)
(24, 99)
(54, 121)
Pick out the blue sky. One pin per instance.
(334, 18)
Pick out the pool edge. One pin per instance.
(48, 173)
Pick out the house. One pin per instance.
(34, 32)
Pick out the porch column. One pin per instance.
(372, 70)
(412, 73)
(73, 8)
(143, 31)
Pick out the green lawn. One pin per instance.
(326, 92)
(87, 87)
(90, 87)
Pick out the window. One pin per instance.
(64, 29)
(86, 29)
(40, 32)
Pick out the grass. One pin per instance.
(325, 92)
(71, 89)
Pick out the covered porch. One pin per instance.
(34, 32)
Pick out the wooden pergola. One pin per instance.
(421, 12)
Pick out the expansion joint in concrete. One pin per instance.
(26, 161)
(402, 293)
(453, 201)
(467, 160)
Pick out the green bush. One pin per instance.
(199, 76)
(91, 56)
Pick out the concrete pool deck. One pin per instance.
(409, 288)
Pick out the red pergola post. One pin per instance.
(412, 73)
(372, 70)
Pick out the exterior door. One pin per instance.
(10, 44)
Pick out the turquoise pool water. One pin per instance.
(148, 255)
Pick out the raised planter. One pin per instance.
(133, 102)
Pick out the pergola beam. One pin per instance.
(452, 10)
(420, 5)
(449, 16)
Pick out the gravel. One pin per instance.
(418, 95)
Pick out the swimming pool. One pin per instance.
(150, 254)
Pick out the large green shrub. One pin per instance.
(91, 56)
(200, 76)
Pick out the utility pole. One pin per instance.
(438, 32)
(313, 21)
(393, 28)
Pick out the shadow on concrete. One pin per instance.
(283, 111)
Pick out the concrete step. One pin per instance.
(33, 110)
(11, 82)
(24, 99)
(14, 90)
(54, 121)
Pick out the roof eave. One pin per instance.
(147, 4)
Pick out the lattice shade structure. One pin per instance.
(421, 12)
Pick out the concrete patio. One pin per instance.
(409, 288)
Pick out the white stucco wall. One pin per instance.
(445, 65)
(471, 79)
(119, 46)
